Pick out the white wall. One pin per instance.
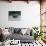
(30, 14)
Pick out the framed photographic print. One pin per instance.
(14, 15)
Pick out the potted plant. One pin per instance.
(37, 33)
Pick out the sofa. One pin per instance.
(22, 34)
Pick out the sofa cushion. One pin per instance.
(23, 31)
(17, 30)
(11, 30)
(22, 38)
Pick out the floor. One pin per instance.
(35, 43)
